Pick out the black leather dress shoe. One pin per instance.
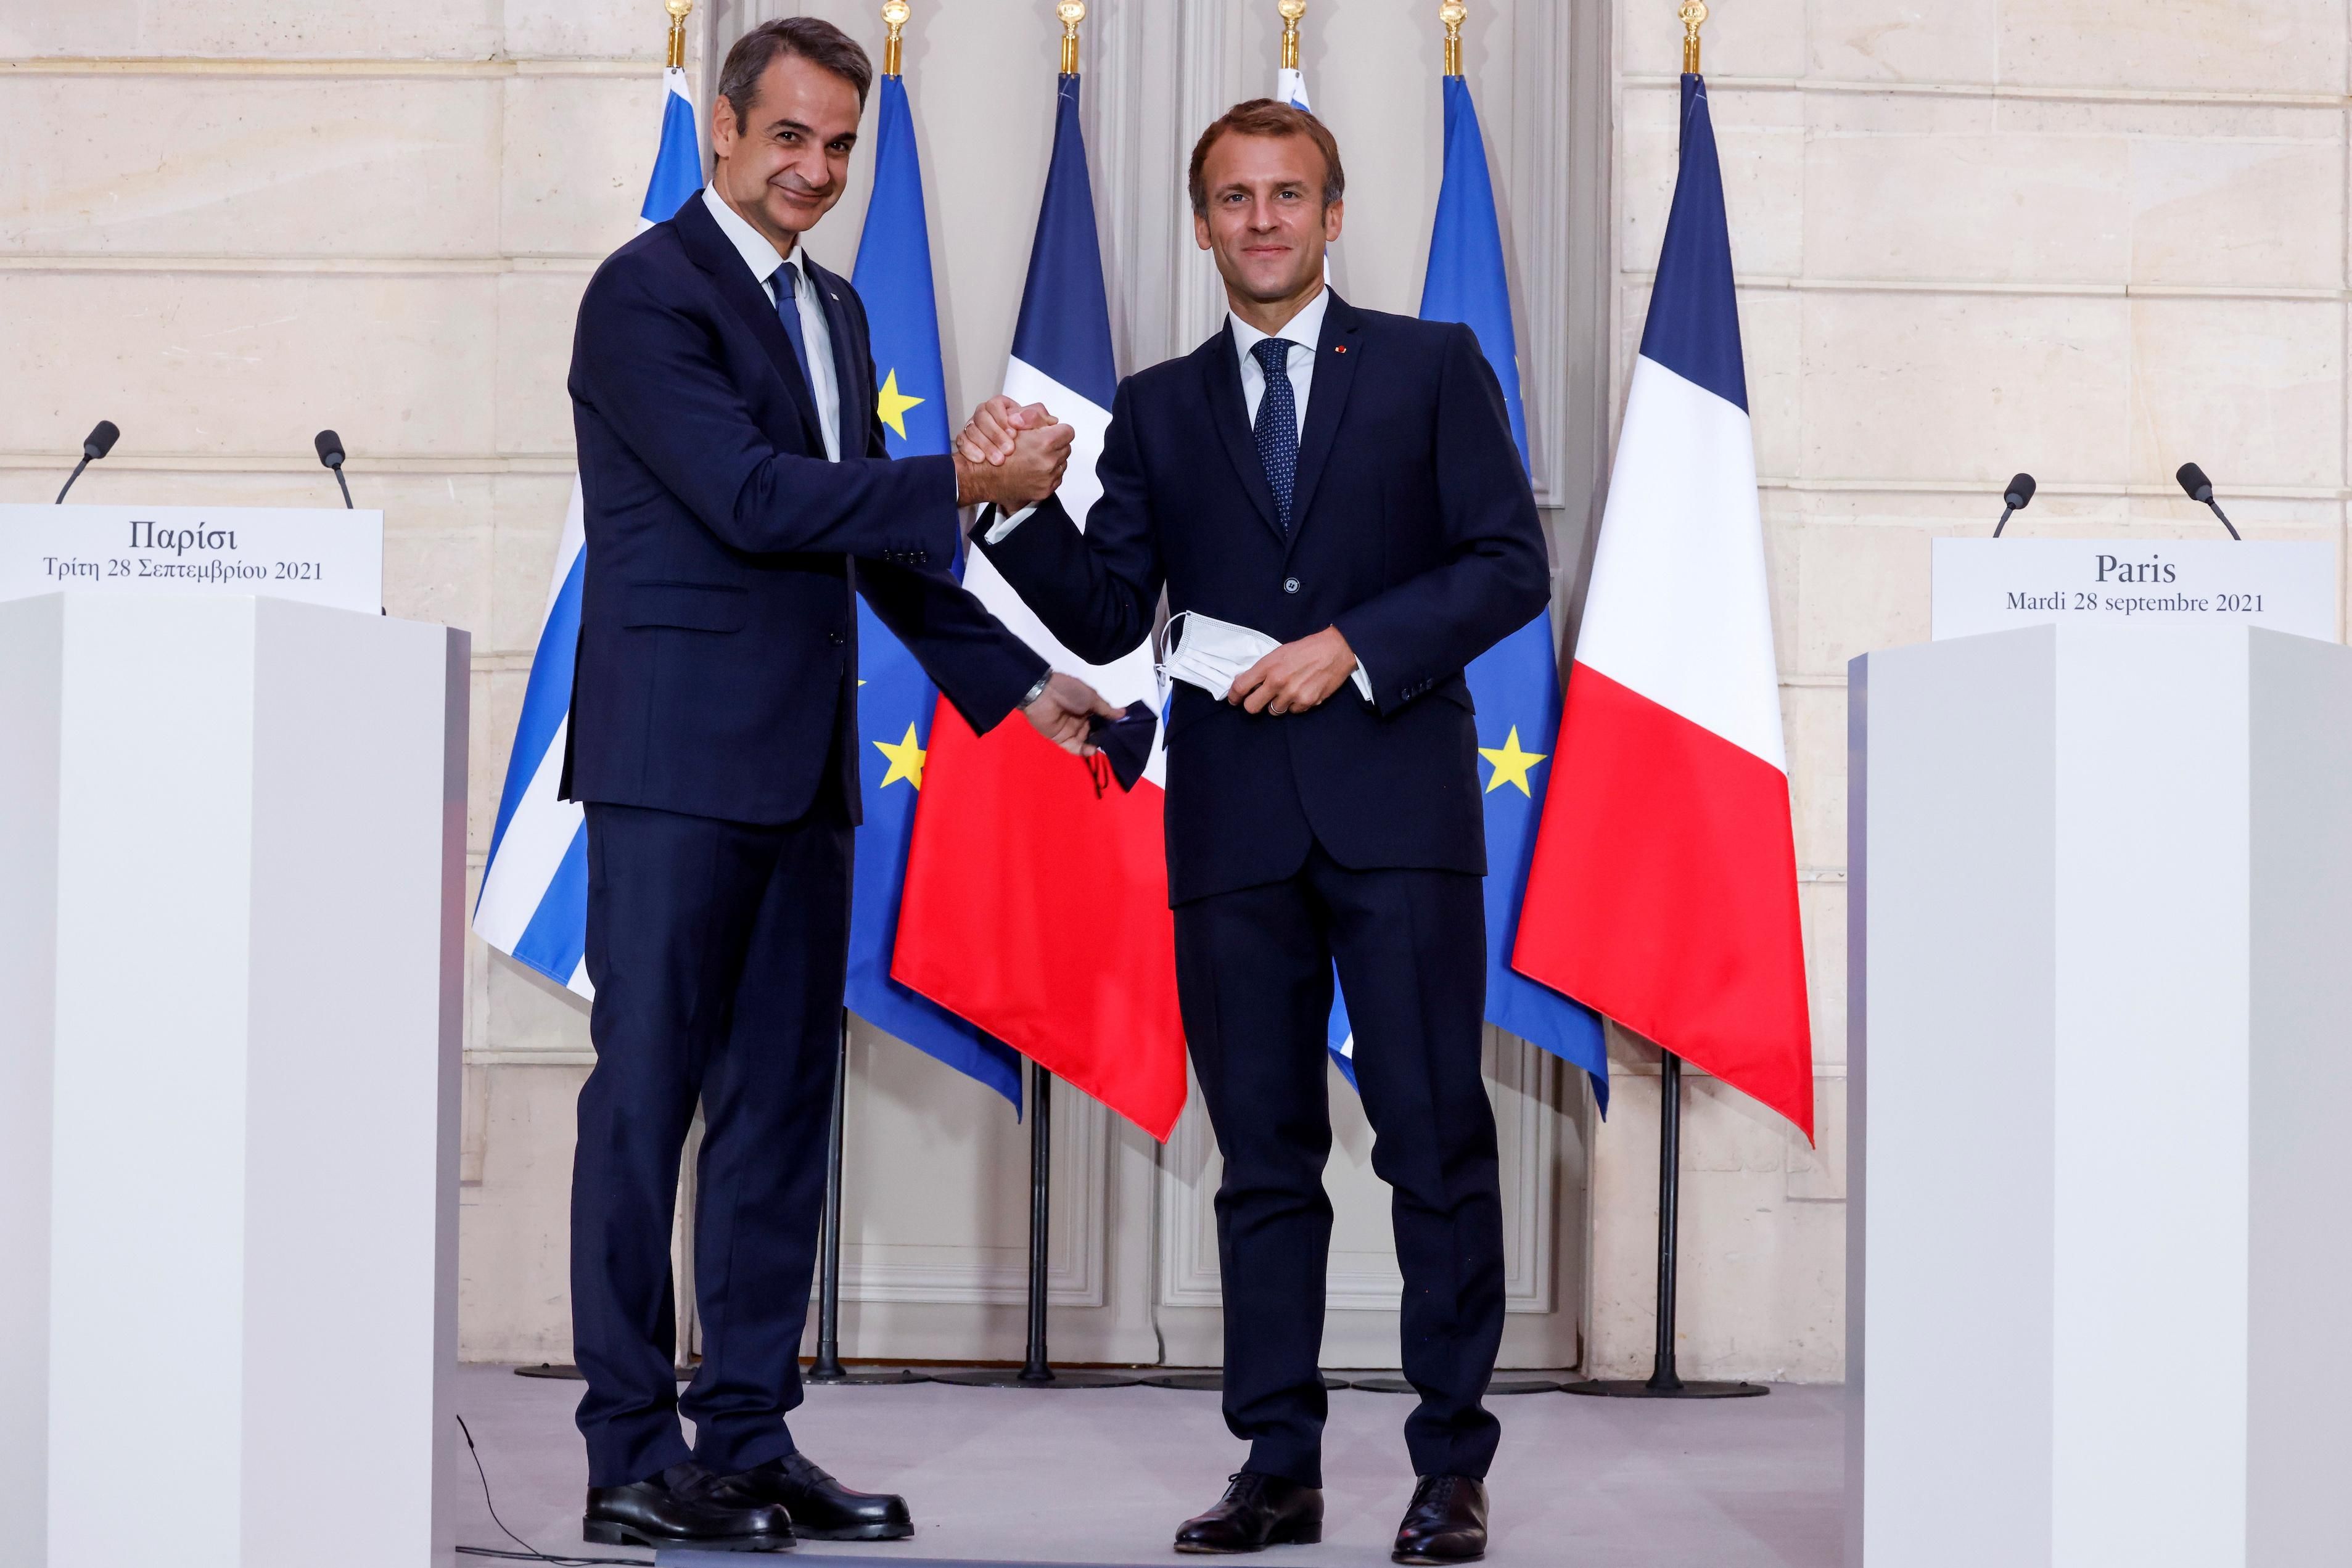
(1256, 1511)
(685, 1505)
(1446, 1524)
(822, 1508)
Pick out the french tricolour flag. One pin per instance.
(534, 902)
(1035, 901)
(1664, 888)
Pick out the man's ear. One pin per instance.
(723, 127)
(1333, 211)
(1201, 230)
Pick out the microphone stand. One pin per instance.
(69, 481)
(827, 1369)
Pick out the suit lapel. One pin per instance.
(851, 368)
(1221, 373)
(1336, 358)
(710, 250)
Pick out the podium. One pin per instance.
(2100, 973)
(232, 838)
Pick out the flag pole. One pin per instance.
(1291, 10)
(826, 1368)
(1036, 1369)
(1664, 1381)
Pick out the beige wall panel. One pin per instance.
(2269, 46)
(2267, 214)
(1761, 137)
(1762, 1276)
(315, 29)
(1745, 38)
(222, 363)
(206, 165)
(577, 154)
(514, 1297)
(1926, 386)
(1949, 207)
(498, 705)
(1817, 1171)
(2251, 388)
(1814, 719)
(1822, 906)
(537, 314)
(1860, 586)
(1906, 40)
(595, 29)
(526, 526)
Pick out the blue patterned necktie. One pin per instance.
(1277, 425)
(788, 311)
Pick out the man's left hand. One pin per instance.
(1060, 714)
(1296, 676)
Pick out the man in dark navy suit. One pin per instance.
(737, 492)
(1343, 482)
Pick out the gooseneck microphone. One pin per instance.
(99, 441)
(2018, 495)
(330, 453)
(2193, 479)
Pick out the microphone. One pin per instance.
(331, 452)
(99, 441)
(2193, 479)
(2018, 495)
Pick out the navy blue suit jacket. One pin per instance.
(718, 665)
(1413, 531)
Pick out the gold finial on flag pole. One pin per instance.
(1071, 13)
(1453, 13)
(1291, 11)
(894, 17)
(1693, 15)
(679, 11)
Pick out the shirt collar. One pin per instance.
(1306, 329)
(758, 253)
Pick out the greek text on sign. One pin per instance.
(1994, 585)
(314, 555)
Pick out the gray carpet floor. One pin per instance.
(1103, 1477)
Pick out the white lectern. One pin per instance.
(2100, 1231)
(231, 886)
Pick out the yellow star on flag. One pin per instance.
(905, 760)
(893, 404)
(1511, 764)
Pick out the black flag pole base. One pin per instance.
(839, 1376)
(1651, 1388)
(1214, 1382)
(1036, 1377)
(1500, 1386)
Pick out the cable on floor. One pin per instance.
(528, 1553)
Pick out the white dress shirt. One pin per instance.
(759, 253)
(1303, 332)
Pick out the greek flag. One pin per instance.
(534, 901)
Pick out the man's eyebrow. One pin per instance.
(808, 130)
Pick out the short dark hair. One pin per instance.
(1265, 117)
(810, 38)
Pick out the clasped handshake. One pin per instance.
(1012, 455)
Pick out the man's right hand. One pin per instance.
(991, 463)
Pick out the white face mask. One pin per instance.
(1212, 653)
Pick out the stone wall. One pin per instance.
(2081, 237)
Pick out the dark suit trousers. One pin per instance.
(1253, 976)
(718, 952)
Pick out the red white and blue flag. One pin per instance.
(1036, 902)
(1663, 887)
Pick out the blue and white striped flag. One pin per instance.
(534, 902)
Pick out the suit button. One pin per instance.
(1289, 585)
(835, 638)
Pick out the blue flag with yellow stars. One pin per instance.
(1515, 683)
(894, 698)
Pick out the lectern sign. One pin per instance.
(313, 555)
(1993, 585)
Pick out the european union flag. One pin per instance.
(1515, 683)
(895, 699)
